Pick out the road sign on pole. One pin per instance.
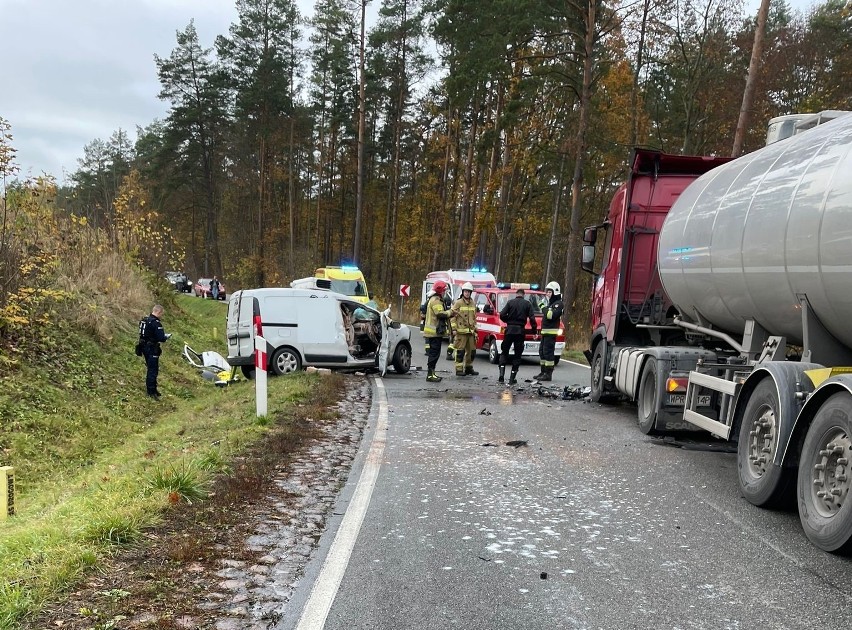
(404, 292)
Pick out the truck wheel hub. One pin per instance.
(762, 442)
(831, 473)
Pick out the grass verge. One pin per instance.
(97, 462)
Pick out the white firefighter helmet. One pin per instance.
(554, 286)
(467, 286)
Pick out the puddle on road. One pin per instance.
(503, 396)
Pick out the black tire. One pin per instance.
(284, 360)
(556, 361)
(402, 358)
(597, 376)
(646, 401)
(248, 371)
(761, 482)
(493, 352)
(824, 468)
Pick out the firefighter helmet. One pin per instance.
(467, 286)
(554, 286)
(439, 287)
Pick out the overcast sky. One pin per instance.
(76, 70)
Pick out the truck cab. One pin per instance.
(629, 305)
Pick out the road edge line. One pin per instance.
(334, 566)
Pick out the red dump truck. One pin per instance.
(723, 302)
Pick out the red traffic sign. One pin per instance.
(404, 290)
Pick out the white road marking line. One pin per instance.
(325, 588)
(575, 363)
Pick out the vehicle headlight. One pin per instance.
(560, 331)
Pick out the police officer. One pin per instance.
(550, 324)
(515, 314)
(464, 317)
(151, 335)
(436, 317)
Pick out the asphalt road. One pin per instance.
(591, 524)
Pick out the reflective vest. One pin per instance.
(434, 311)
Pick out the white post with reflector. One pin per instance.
(260, 375)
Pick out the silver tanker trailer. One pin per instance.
(752, 338)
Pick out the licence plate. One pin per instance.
(680, 399)
(531, 345)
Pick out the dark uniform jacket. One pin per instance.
(552, 316)
(516, 313)
(151, 334)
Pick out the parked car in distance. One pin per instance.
(179, 281)
(202, 289)
(314, 327)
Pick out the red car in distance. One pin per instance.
(202, 289)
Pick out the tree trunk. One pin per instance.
(751, 79)
(362, 123)
(557, 199)
(574, 242)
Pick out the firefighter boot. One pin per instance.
(512, 379)
(540, 375)
(502, 377)
(432, 377)
(546, 374)
(469, 371)
(460, 363)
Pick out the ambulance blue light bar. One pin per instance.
(517, 285)
(478, 270)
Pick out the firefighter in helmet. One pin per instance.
(550, 324)
(464, 318)
(434, 327)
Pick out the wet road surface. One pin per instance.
(491, 508)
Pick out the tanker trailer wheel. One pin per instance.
(598, 373)
(647, 403)
(825, 476)
(761, 482)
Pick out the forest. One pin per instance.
(448, 134)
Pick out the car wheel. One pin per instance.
(248, 371)
(556, 361)
(493, 352)
(402, 359)
(285, 361)
(761, 482)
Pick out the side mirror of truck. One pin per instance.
(588, 261)
(590, 236)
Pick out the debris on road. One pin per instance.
(516, 443)
(485, 412)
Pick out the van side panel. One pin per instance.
(316, 318)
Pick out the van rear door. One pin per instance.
(242, 309)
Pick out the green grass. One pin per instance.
(574, 355)
(97, 461)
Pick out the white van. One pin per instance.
(313, 327)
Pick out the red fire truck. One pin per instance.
(490, 328)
